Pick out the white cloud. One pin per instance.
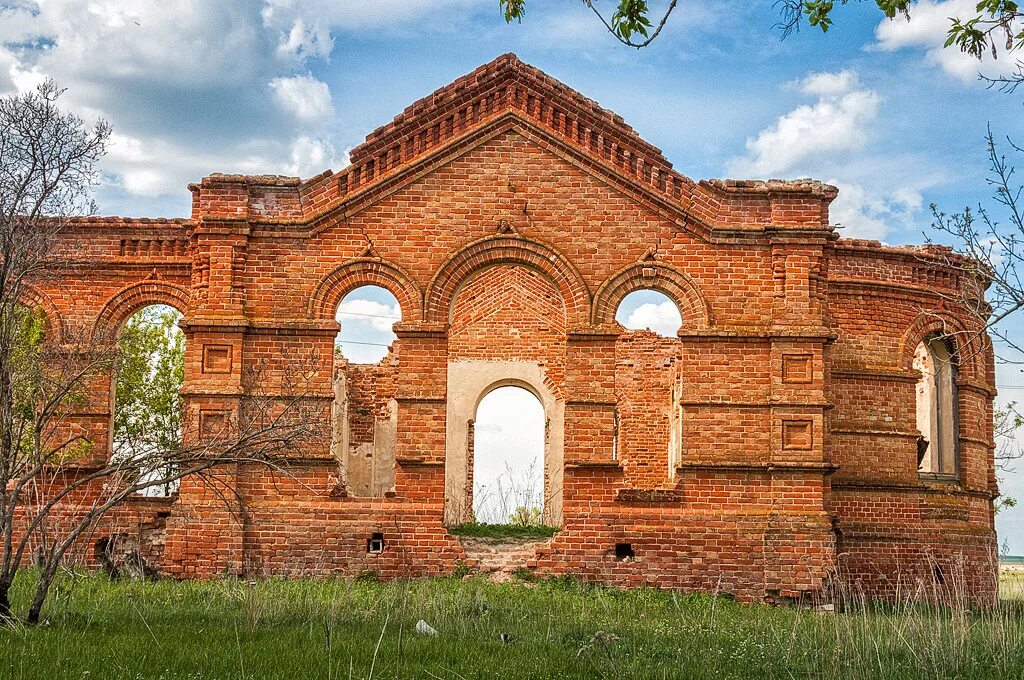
(872, 214)
(309, 156)
(155, 166)
(366, 328)
(662, 318)
(184, 42)
(193, 87)
(305, 28)
(879, 192)
(371, 314)
(928, 28)
(838, 121)
(14, 76)
(304, 97)
(829, 84)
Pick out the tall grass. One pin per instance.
(550, 629)
(515, 496)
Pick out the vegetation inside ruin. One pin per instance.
(503, 531)
(228, 628)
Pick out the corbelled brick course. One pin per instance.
(770, 447)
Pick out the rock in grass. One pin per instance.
(424, 628)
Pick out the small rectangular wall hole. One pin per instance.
(624, 552)
(375, 544)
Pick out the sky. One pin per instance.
(193, 87)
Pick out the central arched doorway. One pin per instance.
(470, 383)
(507, 457)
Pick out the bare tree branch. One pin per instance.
(56, 485)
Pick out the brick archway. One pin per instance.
(498, 250)
(965, 342)
(131, 299)
(331, 290)
(34, 299)
(468, 383)
(652, 276)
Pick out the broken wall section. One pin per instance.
(647, 393)
(365, 425)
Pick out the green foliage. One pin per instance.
(630, 17)
(513, 10)
(973, 35)
(150, 373)
(499, 531)
(563, 628)
(819, 14)
(526, 517)
(524, 574)
(25, 331)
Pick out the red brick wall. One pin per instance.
(509, 215)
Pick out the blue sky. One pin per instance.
(288, 86)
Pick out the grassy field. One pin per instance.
(556, 629)
(1011, 585)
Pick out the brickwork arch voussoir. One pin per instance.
(675, 284)
(134, 297)
(333, 288)
(967, 343)
(510, 250)
(37, 300)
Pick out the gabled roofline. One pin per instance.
(574, 126)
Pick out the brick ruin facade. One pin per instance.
(769, 447)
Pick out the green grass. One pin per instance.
(1011, 585)
(560, 628)
(500, 531)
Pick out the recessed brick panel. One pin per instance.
(214, 424)
(797, 435)
(797, 368)
(216, 358)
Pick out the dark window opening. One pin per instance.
(375, 544)
(624, 552)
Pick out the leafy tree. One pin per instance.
(150, 373)
(630, 23)
(47, 169)
(994, 25)
(48, 506)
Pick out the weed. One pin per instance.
(502, 531)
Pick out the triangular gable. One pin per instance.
(507, 85)
(507, 93)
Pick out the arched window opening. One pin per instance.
(366, 316)
(25, 326)
(147, 412)
(937, 418)
(365, 412)
(507, 458)
(650, 310)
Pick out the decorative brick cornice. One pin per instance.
(509, 92)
